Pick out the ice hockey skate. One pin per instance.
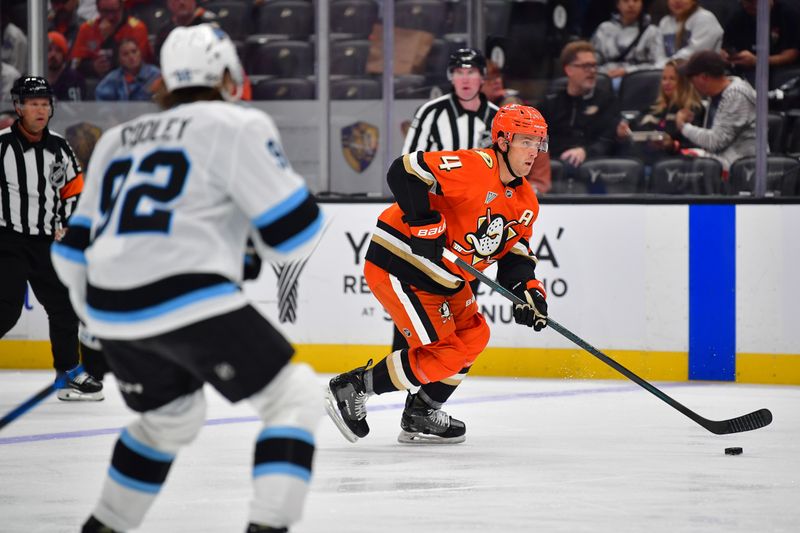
(346, 403)
(93, 525)
(256, 528)
(422, 424)
(77, 386)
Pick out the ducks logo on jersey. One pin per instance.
(490, 237)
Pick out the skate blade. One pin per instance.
(70, 395)
(408, 437)
(332, 409)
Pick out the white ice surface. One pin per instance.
(540, 455)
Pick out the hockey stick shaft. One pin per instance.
(37, 398)
(747, 422)
(27, 405)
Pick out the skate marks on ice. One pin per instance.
(540, 455)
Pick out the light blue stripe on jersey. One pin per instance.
(70, 254)
(282, 209)
(125, 481)
(169, 306)
(144, 450)
(301, 238)
(286, 432)
(80, 221)
(287, 469)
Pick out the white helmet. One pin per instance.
(198, 56)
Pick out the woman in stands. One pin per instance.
(628, 42)
(653, 134)
(689, 28)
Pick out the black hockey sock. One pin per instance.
(139, 467)
(393, 373)
(435, 394)
(381, 382)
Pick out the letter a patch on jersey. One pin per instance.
(490, 196)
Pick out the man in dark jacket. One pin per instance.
(739, 41)
(581, 119)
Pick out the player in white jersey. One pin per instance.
(153, 261)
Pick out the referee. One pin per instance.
(40, 181)
(460, 119)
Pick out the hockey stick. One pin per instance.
(755, 420)
(37, 398)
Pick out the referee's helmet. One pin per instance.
(199, 56)
(466, 58)
(31, 87)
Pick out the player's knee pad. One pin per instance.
(439, 359)
(172, 426)
(475, 337)
(293, 398)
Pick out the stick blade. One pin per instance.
(749, 422)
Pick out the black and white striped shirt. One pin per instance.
(442, 124)
(39, 182)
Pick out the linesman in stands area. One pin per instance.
(460, 119)
(40, 181)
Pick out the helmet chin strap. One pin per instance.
(507, 162)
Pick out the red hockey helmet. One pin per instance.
(515, 118)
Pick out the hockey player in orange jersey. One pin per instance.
(478, 204)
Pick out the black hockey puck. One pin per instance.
(733, 451)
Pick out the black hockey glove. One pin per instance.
(428, 237)
(533, 313)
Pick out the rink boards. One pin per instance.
(673, 292)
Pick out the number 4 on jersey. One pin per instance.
(449, 162)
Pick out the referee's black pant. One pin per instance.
(26, 259)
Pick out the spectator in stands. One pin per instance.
(67, 83)
(739, 42)
(87, 9)
(97, 39)
(494, 89)
(182, 13)
(580, 120)
(689, 28)
(133, 80)
(7, 76)
(15, 45)
(63, 18)
(676, 93)
(730, 126)
(628, 42)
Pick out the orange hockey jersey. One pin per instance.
(487, 221)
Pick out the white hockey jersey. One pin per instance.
(158, 238)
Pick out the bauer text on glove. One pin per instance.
(428, 237)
